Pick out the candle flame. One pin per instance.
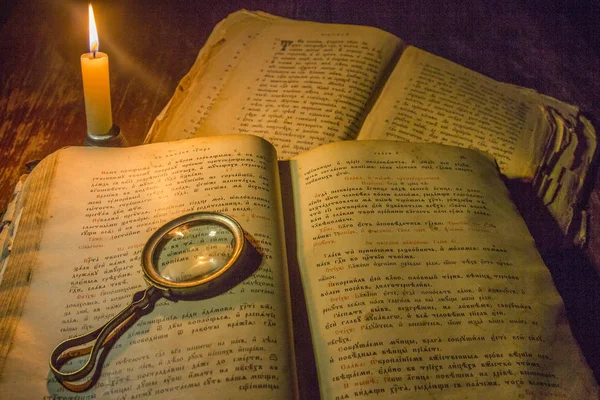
(94, 42)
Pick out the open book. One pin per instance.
(301, 84)
(419, 278)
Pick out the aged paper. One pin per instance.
(422, 279)
(198, 90)
(532, 137)
(296, 84)
(430, 99)
(98, 218)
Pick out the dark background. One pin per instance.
(550, 46)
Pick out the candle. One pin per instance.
(96, 85)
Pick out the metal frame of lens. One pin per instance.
(199, 285)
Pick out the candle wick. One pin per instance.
(94, 53)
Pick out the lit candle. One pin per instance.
(96, 85)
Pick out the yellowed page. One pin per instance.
(422, 281)
(9, 223)
(297, 84)
(104, 205)
(199, 88)
(431, 99)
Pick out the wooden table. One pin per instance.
(549, 46)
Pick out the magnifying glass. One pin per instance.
(195, 256)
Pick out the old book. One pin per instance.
(301, 84)
(418, 277)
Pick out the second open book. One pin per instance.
(418, 276)
(301, 84)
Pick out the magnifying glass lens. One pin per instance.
(193, 251)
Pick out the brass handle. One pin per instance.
(100, 339)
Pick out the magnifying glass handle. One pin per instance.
(101, 339)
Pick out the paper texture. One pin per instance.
(424, 281)
(87, 268)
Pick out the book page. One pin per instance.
(422, 281)
(199, 88)
(103, 207)
(431, 99)
(9, 223)
(297, 84)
